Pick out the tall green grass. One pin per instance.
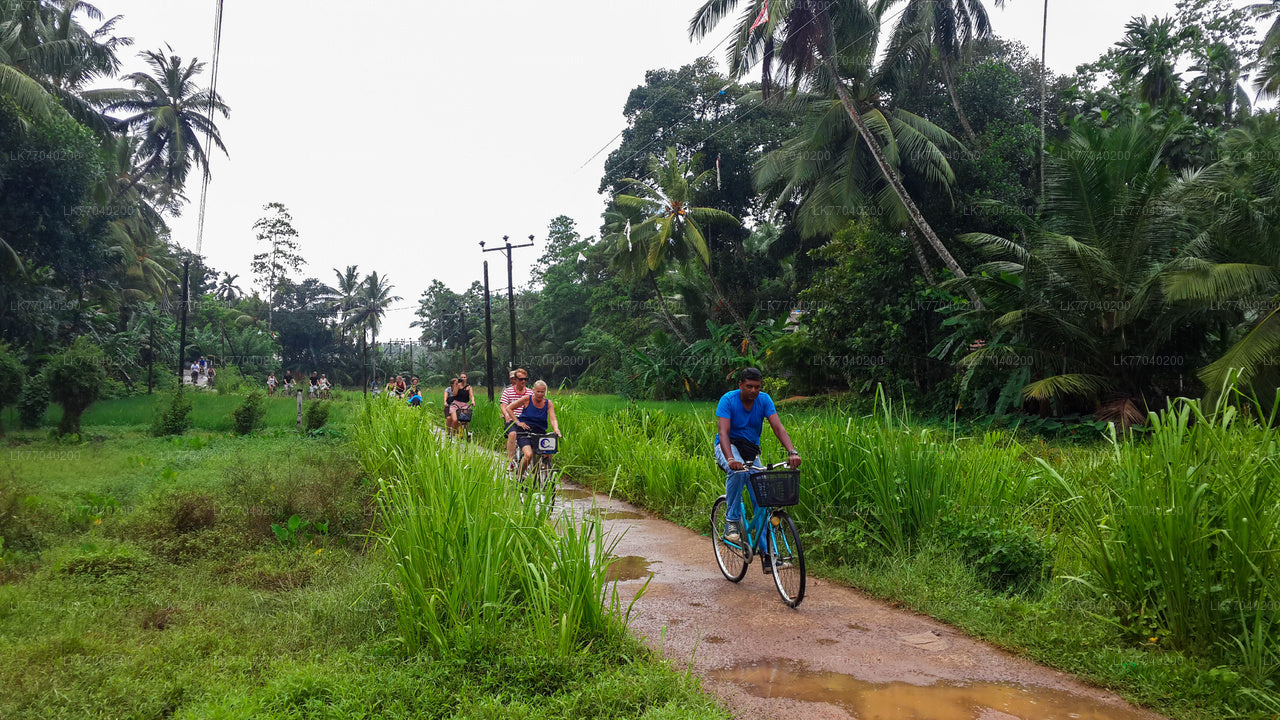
(1181, 532)
(470, 553)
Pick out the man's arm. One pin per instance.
(509, 410)
(793, 456)
(725, 448)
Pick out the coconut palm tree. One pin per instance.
(831, 46)
(348, 290)
(227, 289)
(47, 57)
(1233, 265)
(828, 172)
(1147, 54)
(1080, 300)
(371, 304)
(171, 114)
(22, 29)
(672, 228)
(1267, 81)
(631, 257)
(952, 26)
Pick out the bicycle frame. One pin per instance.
(756, 528)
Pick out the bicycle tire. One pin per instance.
(545, 473)
(787, 558)
(732, 561)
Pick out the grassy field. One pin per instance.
(150, 577)
(1147, 565)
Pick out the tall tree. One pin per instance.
(227, 290)
(172, 116)
(272, 265)
(347, 290)
(1267, 80)
(672, 225)
(952, 26)
(371, 305)
(1148, 53)
(47, 56)
(1233, 266)
(832, 46)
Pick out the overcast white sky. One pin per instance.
(400, 134)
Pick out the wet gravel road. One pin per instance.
(840, 654)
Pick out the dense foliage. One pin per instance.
(874, 212)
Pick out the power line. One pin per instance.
(730, 123)
(208, 135)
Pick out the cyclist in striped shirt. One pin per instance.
(517, 390)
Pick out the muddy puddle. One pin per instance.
(607, 514)
(628, 567)
(569, 493)
(904, 701)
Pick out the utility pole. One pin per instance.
(488, 334)
(151, 355)
(462, 318)
(182, 334)
(511, 289)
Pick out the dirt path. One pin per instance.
(839, 655)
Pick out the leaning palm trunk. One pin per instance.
(662, 302)
(724, 300)
(917, 218)
(914, 237)
(969, 134)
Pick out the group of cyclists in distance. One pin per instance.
(740, 415)
(528, 412)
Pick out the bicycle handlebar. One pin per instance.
(765, 468)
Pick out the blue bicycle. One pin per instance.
(770, 532)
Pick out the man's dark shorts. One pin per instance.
(510, 428)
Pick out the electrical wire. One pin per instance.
(209, 131)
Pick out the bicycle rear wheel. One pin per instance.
(787, 557)
(731, 558)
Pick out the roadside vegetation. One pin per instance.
(1143, 563)
(213, 575)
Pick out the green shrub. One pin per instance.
(19, 518)
(317, 415)
(248, 416)
(230, 381)
(11, 376)
(776, 387)
(1005, 560)
(113, 389)
(112, 559)
(75, 378)
(33, 402)
(174, 417)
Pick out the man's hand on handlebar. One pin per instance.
(736, 465)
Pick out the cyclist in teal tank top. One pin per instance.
(740, 419)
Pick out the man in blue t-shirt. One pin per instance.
(740, 417)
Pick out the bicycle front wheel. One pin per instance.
(545, 473)
(731, 558)
(787, 557)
